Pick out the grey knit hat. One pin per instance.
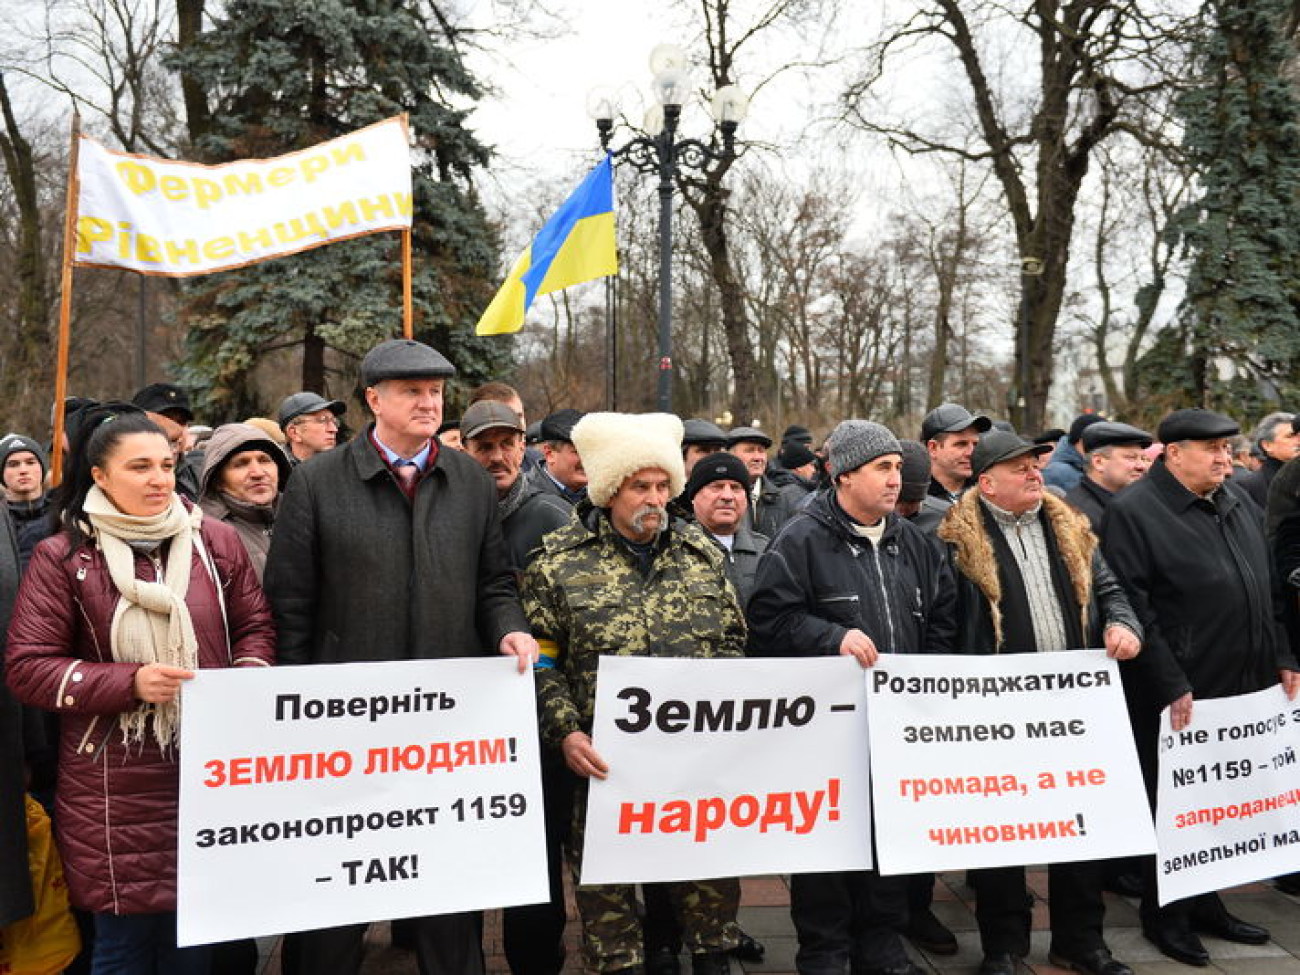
(857, 442)
(16, 443)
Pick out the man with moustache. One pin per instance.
(494, 436)
(532, 934)
(623, 579)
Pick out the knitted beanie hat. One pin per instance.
(857, 442)
(615, 445)
(15, 443)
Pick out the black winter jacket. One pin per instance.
(539, 512)
(1089, 499)
(358, 572)
(772, 510)
(818, 579)
(1199, 575)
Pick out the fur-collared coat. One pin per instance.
(1092, 598)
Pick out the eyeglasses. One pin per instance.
(329, 421)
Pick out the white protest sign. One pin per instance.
(327, 795)
(719, 768)
(1228, 800)
(158, 216)
(986, 761)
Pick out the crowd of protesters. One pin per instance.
(169, 547)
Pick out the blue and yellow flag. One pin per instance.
(575, 245)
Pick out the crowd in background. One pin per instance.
(171, 546)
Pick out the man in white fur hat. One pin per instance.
(623, 578)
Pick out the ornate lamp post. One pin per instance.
(664, 154)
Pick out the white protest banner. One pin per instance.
(327, 795)
(987, 761)
(719, 768)
(157, 216)
(1228, 799)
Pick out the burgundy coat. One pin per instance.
(116, 807)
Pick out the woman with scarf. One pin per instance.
(243, 473)
(116, 612)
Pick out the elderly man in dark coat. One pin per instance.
(391, 548)
(1189, 548)
(15, 882)
(1030, 579)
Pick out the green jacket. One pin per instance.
(585, 596)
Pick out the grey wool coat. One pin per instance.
(357, 572)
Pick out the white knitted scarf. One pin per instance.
(151, 623)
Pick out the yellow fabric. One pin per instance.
(46, 942)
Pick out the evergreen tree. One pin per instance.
(1242, 235)
(281, 75)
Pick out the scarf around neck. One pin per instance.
(151, 622)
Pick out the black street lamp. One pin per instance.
(663, 155)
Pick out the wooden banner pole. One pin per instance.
(65, 303)
(408, 307)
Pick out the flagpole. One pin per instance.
(408, 312)
(65, 302)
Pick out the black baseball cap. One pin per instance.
(952, 418)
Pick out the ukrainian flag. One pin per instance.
(575, 245)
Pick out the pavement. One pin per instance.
(765, 914)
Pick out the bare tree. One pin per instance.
(1138, 195)
(1099, 70)
(26, 344)
(731, 30)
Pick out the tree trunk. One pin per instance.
(189, 23)
(25, 380)
(313, 362)
(711, 211)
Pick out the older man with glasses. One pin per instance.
(310, 424)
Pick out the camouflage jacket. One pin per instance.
(585, 596)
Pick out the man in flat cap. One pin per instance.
(622, 579)
(700, 438)
(950, 433)
(769, 508)
(1115, 458)
(1190, 550)
(562, 473)
(390, 548)
(848, 576)
(310, 423)
(1030, 579)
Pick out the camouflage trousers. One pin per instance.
(611, 925)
